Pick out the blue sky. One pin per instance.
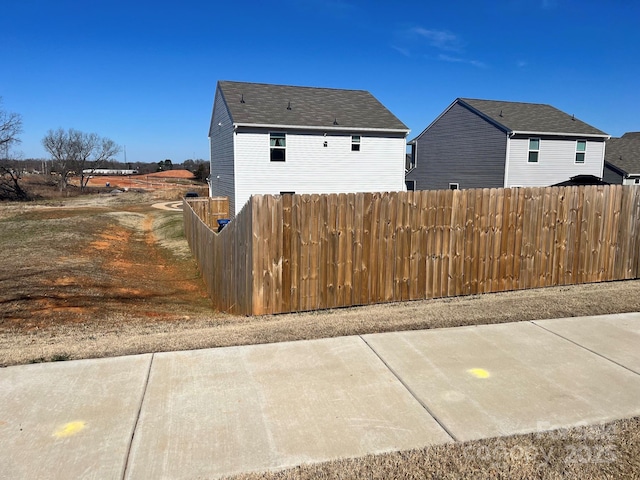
(144, 73)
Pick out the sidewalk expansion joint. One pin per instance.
(135, 425)
(413, 394)
(585, 348)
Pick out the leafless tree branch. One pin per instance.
(77, 152)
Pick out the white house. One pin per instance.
(496, 144)
(275, 139)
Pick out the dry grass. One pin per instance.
(187, 327)
(103, 275)
(591, 452)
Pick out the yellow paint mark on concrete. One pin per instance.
(70, 429)
(479, 372)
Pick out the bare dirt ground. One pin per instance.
(105, 275)
(166, 180)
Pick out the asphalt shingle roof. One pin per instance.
(531, 117)
(624, 152)
(265, 104)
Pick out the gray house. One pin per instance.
(496, 144)
(622, 160)
(274, 139)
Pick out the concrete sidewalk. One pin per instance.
(215, 412)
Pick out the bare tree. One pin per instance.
(77, 152)
(10, 174)
(10, 128)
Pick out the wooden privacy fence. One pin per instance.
(210, 209)
(225, 258)
(306, 252)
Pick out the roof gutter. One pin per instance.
(334, 128)
(561, 134)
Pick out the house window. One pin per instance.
(278, 143)
(355, 143)
(411, 185)
(534, 150)
(581, 148)
(454, 186)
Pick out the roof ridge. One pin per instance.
(295, 86)
(508, 101)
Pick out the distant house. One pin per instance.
(276, 139)
(622, 159)
(488, 143)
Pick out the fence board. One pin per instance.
(456, 263)
(367, 234)
(415, 237)
(484, 245)
(635, 233)
(390, 244)
(504, 240)
(469, 229)
(341, 233)
(443, 273)
(349, 249)
(375, 250)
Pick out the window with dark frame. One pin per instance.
(411, 185)
(581, 150)
(355, 143)
(534, 150)
(412, 163)
(278, 144)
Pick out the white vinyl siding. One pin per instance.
(221, 179)
(313, 168)
(556, 162)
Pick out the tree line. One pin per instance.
(72, 153)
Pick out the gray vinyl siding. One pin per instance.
(222, 153)
(460, 147)
(612, 176)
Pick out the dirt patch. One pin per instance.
(78, 264)
(167, 180)
(185, 174)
